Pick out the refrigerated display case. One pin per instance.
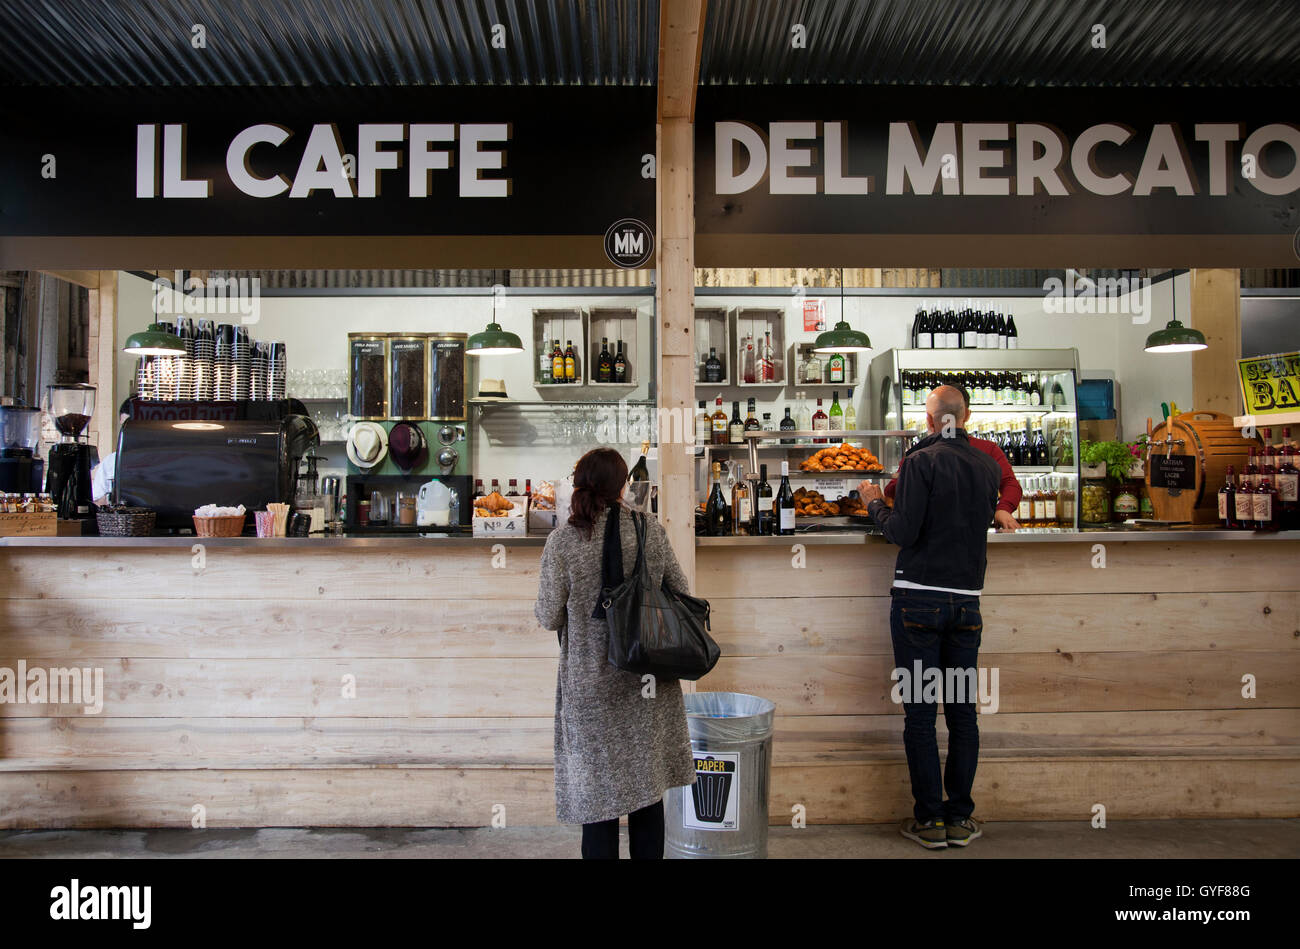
(1015, 394)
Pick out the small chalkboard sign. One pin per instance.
(1173, 472)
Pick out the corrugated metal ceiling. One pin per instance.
(328, 42)
(1004, 42)
(601, 42)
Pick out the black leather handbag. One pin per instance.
(655, 630)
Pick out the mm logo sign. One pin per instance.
(629, 243)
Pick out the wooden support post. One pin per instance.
(101, 352)
(1216, 312)
(681, 26)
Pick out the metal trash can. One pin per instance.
(724, 813)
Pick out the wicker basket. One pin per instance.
(219, 526)
(126, 521)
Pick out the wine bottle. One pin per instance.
(785, 503)
(604, 362)
(640, 472)
(850, 414)
(736, 430)
(620, 365)
(717, 513)
(544, 365)
(1001, 332)
(924, 330)
(741, 504)
(1013, 337)
(763, 504)
(982, 331)
(970, 330)
(953, 327)
(836, 419)
(787, 425)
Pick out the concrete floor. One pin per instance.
(1138, 839)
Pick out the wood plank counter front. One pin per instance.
(368, 683)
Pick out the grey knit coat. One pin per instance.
(616, 751)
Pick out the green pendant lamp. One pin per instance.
(494, 341)
(1175, 337)
(844, 338)
(155, 341)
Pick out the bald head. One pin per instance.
(945, 410)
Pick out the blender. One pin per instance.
(68, 469)
(21, 468)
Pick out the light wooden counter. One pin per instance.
(227, 680)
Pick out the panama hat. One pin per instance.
(367, 444)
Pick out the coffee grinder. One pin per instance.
(67, 478)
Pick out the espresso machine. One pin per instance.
(67, 477)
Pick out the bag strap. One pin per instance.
(638, 521)
(611, 561)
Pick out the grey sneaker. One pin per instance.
(962, 832)
(931, 835)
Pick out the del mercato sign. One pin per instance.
(879, 160)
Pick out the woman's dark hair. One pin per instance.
(598, 480)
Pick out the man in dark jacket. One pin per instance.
(943, 507)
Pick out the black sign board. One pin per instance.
(461, 161)
(824, 167)
(1173, 472)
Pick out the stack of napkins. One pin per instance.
(212, 510)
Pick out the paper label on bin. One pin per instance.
(713, 801)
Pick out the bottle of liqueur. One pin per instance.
(703, 429)
(570, 364)
(717, 512)
(742, 510)
(836, 419)
(512, 491)
(835, 368)
(736, 430)
(751, 422)
(557, 363)
(748, 360)
(640, 471)
(767, 422)
(1245, 504)
(850, 414)
(1288, 482)
(604, 362)
(787, 425)
(713, 366)
(767, 360)
(821, 422)
(785, 503)
(719, 420)
(764, 516)
(620, 365)
(1251, 475)
(478, 488)
(1265, 505)
(1228, 502)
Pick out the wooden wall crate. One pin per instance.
(615, 324)
(712, 332)
(563, 324)
(755, 322)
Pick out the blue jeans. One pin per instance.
(941, 631)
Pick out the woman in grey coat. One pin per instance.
(620, 743)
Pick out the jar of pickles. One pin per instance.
(1094, 498)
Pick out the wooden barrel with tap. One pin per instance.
(1183, 478)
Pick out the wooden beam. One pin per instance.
(681, 32)
(101, 351)
(82, 278)
(1216, 312)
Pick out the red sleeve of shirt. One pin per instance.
(1009, 492)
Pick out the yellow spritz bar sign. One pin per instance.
(1270, 383)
